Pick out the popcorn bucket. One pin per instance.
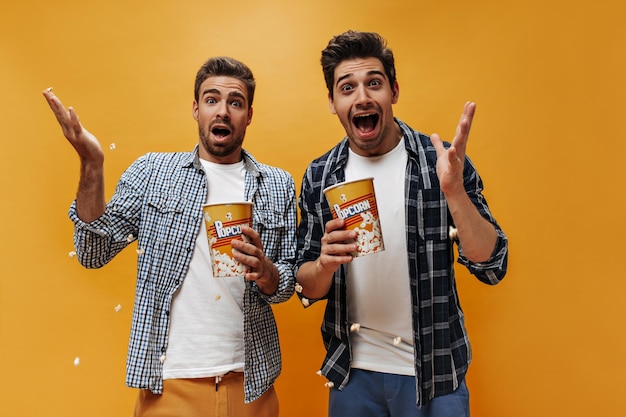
(355, 202)
(223, 224)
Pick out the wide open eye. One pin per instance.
(346, 87)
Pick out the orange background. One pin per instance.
(548, 77)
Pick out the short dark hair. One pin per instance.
(229, 67)
(354, 44)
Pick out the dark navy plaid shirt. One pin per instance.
(158, 202)
(441, 344)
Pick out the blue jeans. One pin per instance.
(376, 394)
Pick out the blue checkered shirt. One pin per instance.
(158, 202)
(440, 340)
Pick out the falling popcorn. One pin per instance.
(397, 341)
(355, 327)
(217, 297)
(329, 384)
(112, 146)
(140, 251)
(76, 361)
(117, 308)
(298, 288)
(452, 233)
(49, 89)
(130, 238)
(72, 254)
(305, 302)
(162, 358)
(319, 373)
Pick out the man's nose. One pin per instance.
(223, 111)
(362, 96)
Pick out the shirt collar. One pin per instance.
(251, 165)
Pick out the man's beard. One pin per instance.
(220, 150)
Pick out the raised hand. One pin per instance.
(476, 235)
(90, 201)
(85, 143)
(450, 162)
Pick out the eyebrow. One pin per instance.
(373, 72)
(219, 93)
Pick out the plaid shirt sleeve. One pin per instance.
(494, 269)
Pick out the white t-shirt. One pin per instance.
(206, 319)
(378, 290)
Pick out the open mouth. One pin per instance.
(365, 123)
(220, 132)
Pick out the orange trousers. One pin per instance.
(199, 397)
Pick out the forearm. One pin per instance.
(90, 200)
(476, 235)
(268, 284)
(314, 280)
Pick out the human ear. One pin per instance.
(331, 104)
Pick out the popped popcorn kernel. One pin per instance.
(72, 254)
(76, 361)
(217, 297)
(140, 251)
(129, 238)
(49, 89)
(397, 341)
(329, 384)
(452, 233)
(369, 234)
(298, 288)
(305, 302)
(117, 308)
(224, 265)
(112, 146)
(355, 327)
(162, 358)
(319, 373)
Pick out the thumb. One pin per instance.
(437, 143)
